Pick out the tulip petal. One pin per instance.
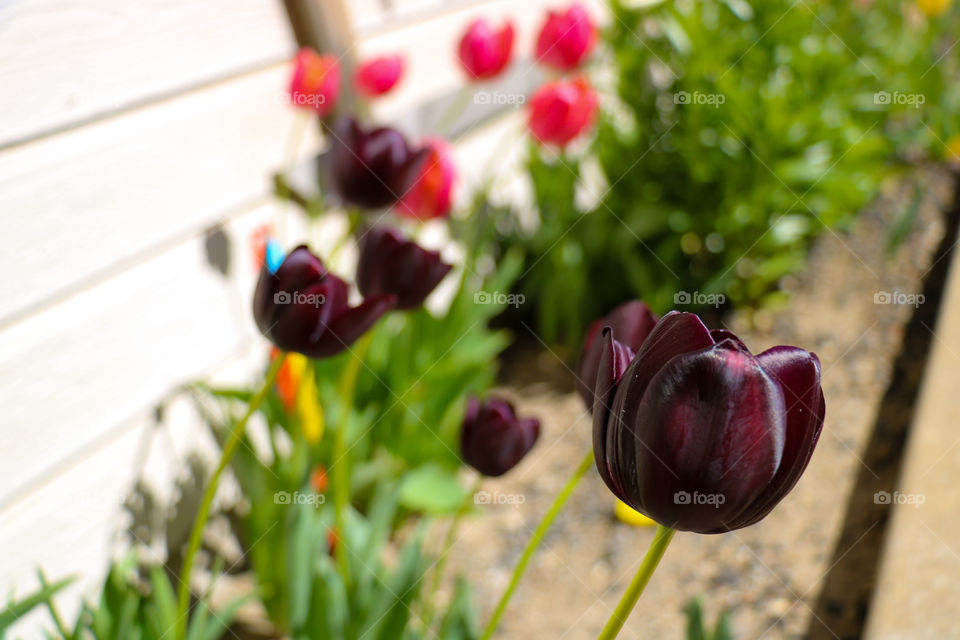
(710, 424)
(615, 358)
(797, 371)
(349, 325)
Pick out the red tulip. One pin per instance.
(377, 76)
(484, 52)
(431, 192)
(699, 434)
(316, 81)
(566, 38)
(560, 111)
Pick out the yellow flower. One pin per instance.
(299, 392)
(934, 8)
(625, 513)
(952, 154)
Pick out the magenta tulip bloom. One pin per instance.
(631, 323)
(371, 168)
(566, 38)
(561, 111)
(377, 76)
(390, 264)
(485, 52)
(315, 84)
(430, 193)
(699, 434)
(493, 439)
(303, 307)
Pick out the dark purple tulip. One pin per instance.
(371, 168)
(303, 307)
(493, 439)
(631, 323)
(699, 434)
(391, 264)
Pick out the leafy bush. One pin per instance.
(736, 134)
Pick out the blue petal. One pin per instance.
(274, 255)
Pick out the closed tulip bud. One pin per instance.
(377, 76)
(304, 308)
(315, 84)
(371, 168)
(566, 38)
(631, 323)
(493, 439)
(430, 193)
(561, 111)
(390, 264)
(699, 434)
(485, 52)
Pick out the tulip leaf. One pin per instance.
(431, 489)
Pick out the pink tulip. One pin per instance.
(566, 38)
(484, 52)
(379, 75)
(431, 193)
(560, 111)
(316, 81)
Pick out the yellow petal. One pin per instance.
(309, 410)
(625, 513)
(934, 8)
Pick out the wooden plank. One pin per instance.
(63, 62)
(103, 194)
(73, 374)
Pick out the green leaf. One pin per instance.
(431, 489)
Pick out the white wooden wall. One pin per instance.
(127, 129)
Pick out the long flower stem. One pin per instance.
(661, 540)
(448, 543)
(535, 541)
(196, 534)
(341, 466)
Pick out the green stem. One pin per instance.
(661, 540)
(340, 468)
(535, 541)
(448, 543)
(196, 534)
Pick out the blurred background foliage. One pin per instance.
(730, 136)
